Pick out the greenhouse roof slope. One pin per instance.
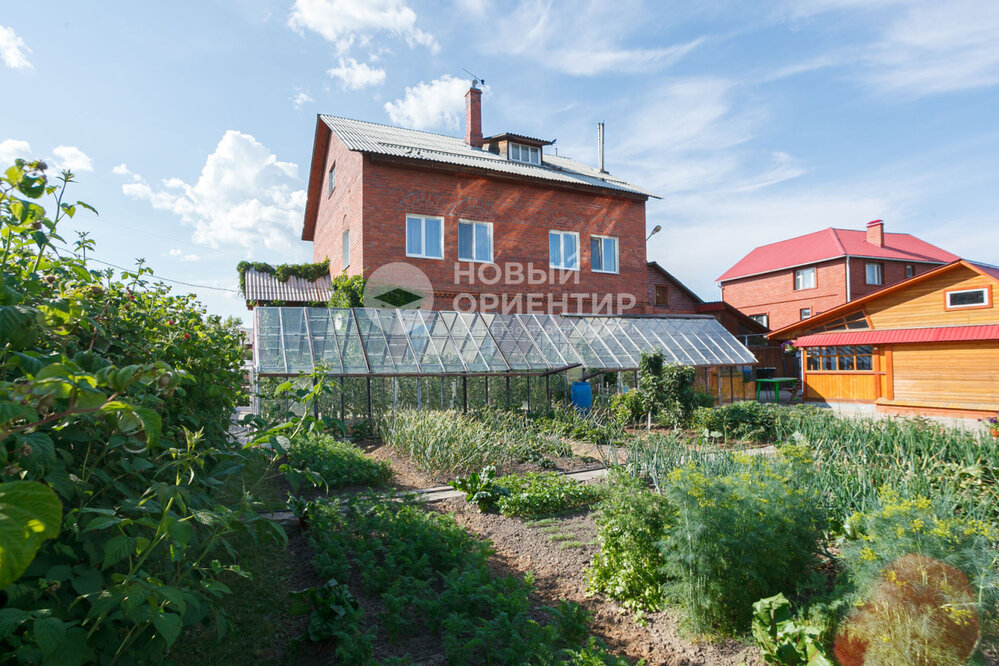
(370, 341)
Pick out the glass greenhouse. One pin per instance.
(384, 359)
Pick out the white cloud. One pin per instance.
(427, 105)
(919, 47)
(72, 158)
(13, 50)
(936, 48)
(344, 21)
(301, 99)
(581, 39)
(245, 196)
(123, 170)
(180, 255)
(355, 75)
(11, 149)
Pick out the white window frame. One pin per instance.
(331, 180)
(533, 153)
(561, 233)
(617, 254)
(910, 271)
(765, 317)
(879, 269)
(345, 249)
(987, 293)
(801, 313)
(423, 235)
(488, 225)
(801, 273)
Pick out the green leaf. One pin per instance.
(49, 632)
(86, 580)
(30, 512)
(10, 620)
(102, 522)
(116, 549)
(168, 625)
(18, 325)
(10, 411)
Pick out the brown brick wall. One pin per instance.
(340, 210)
(679, 301)
(521, 214)
(774, 294)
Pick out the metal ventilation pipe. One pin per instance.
(600, 147)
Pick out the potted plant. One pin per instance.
(993, 423)
(788, 347)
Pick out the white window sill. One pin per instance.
(597, 270)
(423, 256)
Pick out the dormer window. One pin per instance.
(520, 153)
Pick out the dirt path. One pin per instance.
(558, 552)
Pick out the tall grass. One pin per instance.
(451, 442)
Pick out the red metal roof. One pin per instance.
(831, 244)
(900, 336)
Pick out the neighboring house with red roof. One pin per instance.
(794, 279)
(928, 345)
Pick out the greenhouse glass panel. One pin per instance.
(324, 342)
(511, 334)
(349, 341)
(295, 338)
(592, 353)
(397, 340)
(475, 350)
(440, 337)
(268, 350)
(376, 349)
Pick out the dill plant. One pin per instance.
(333, 463)
(739, 537)
(921, 580)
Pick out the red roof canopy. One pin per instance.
(899, 336)
(831, 244)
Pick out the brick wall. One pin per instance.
(774, 294)
(893, 272)
(340, 210)
(679, 301)
(521, 213)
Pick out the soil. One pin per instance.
(559, 554)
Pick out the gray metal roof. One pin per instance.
(370, 341)
(378, 139)
(259, 286)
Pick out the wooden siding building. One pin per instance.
(928, 345)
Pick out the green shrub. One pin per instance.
(740, 420)
(703, 399)
(629, 408)
(537, 494)
(115, 400)
(738, 538)
(331, 463)
(631, 520)
(665, 393)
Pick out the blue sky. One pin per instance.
(190, 124)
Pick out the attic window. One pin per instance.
(331, 180)
(521, 153)
(968, 298)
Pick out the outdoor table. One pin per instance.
(775, 382)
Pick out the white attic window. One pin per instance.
(520, 153)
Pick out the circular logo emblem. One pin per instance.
(399, 286)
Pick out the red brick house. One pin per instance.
(489, 220)
(792, 280)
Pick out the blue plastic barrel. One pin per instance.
(581, 396)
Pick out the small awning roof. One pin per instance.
(370, 341)
(901, 336)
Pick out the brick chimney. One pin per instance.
(473, 117)
(876, 233)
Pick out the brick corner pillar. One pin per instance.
(473, 117)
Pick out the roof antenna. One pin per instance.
(476, 81)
